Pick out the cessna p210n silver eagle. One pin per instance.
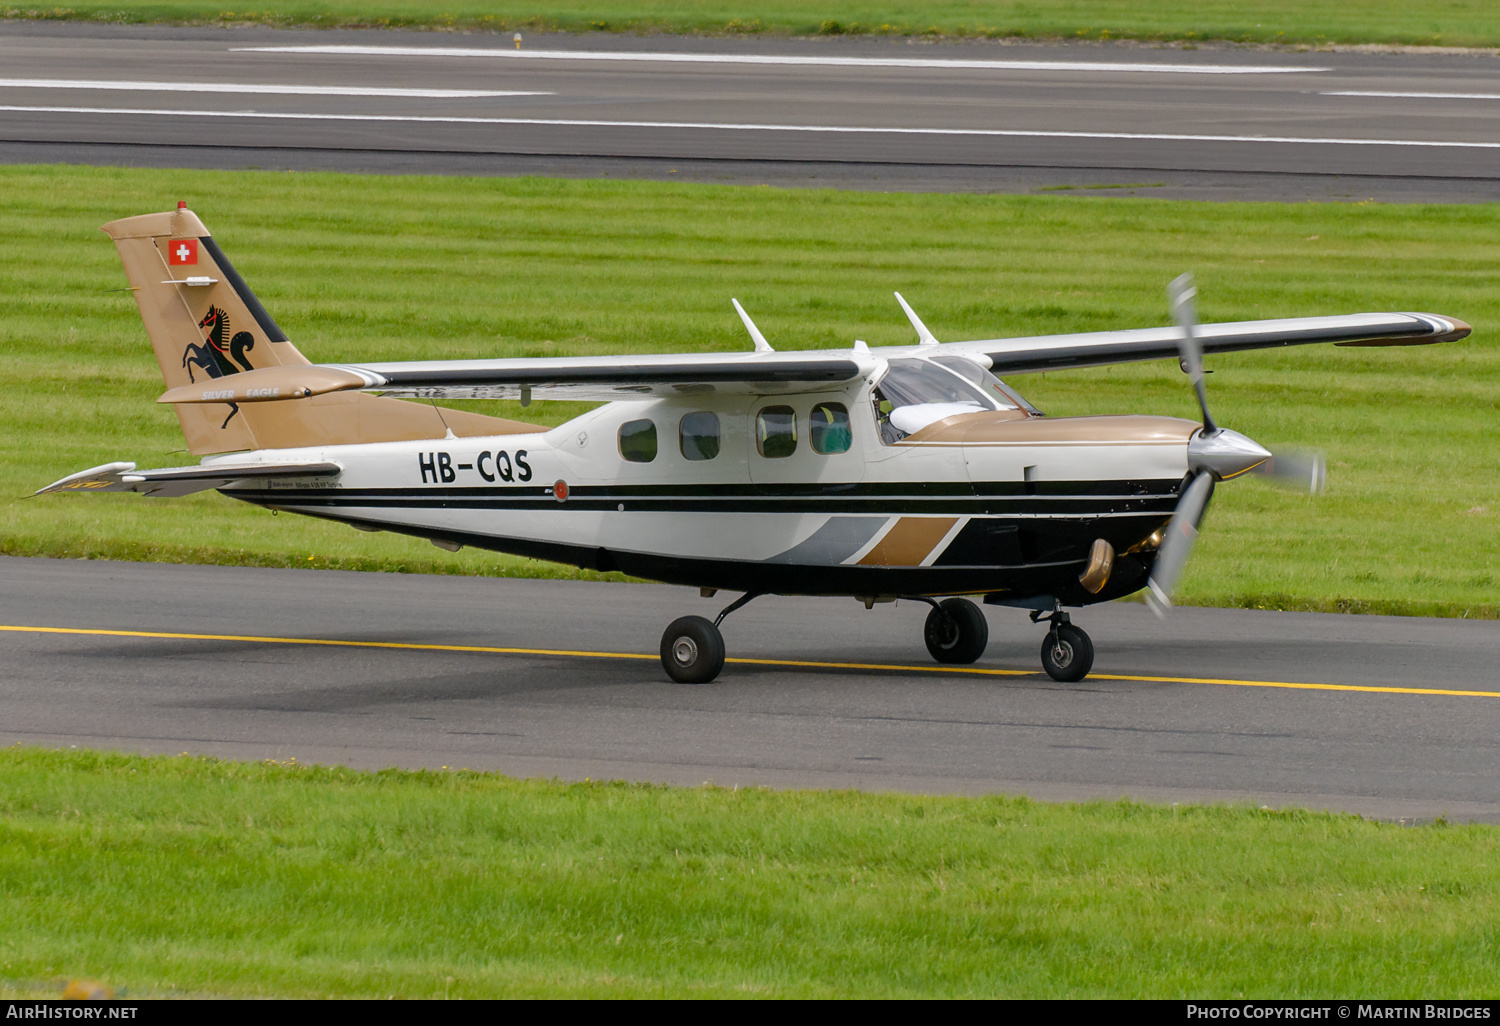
(906, 471)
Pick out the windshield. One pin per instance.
(997, 390)
(918, 382)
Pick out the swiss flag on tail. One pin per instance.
(182, 251)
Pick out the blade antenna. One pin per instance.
(924, 337)
(1182, 293)
(761, 345)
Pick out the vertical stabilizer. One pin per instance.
(205, 323)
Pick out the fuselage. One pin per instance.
(806, 493)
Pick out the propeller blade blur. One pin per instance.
(1182, 292)
(1303, 470)
(1177, 542)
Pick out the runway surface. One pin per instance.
(1383, 716)
(862, 113)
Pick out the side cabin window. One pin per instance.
(829, 430)
(638, 441)
(776, 432)
(698, 435)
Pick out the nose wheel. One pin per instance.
(1067, 652)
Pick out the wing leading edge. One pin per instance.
(1095, 349)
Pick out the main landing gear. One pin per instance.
(692, 649)
(956, 631)
(1067, 652)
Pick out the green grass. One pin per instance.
(455, 267)
(1296, 22)
(192, 876)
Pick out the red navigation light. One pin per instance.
(182, 204)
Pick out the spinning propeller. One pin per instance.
(1214, 454)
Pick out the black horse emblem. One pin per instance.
(220, 354)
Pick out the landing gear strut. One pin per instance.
(1067, 652)
(692, 649)
(956, 631)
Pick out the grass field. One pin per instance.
(457, 267)
(1304, 22)
(189, 876)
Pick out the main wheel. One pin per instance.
(956, 631)
(692, 650)
(1067, 654)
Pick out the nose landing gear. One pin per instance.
(1067, 652)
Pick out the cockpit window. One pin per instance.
(993, 386)
(916, 393)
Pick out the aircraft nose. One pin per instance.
(1224, 453)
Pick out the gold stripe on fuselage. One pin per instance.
(909, 542)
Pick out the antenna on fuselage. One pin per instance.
(761, 345)
(924, 337)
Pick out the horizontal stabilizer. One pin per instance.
(170, 482)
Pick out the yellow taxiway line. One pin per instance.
(902, 668)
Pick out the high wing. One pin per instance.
(590, 378)
(170, 482)
(763, 372)
(1094, 349)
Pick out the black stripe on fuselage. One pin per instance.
(1068, 499)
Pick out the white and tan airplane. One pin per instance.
(906, 471)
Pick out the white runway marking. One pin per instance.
(1019, 133)
(1417, 96)
(240, 87)
(751, 58)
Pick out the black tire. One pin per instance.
(1067, 654)
(692, 650)
(956, 631)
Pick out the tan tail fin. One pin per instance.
(204, 323)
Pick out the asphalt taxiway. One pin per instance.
(1382, 716)
(861, 113)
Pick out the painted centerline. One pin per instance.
(755, 58)
(1017, 133)
(942, 669)
(248, 88)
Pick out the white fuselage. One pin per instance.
(934, 513)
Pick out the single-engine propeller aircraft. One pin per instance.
(905, 471)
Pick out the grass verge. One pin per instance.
(454, 267)
(1466, 23)
(194, 876)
